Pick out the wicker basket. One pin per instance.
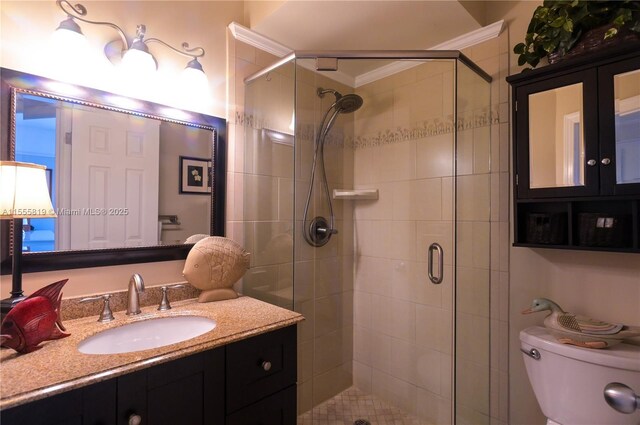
(593, 40)
(604, 229)
(546, 228)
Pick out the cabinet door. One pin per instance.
(187, 391)
(557, 137)
(619, 85)
(278, 409)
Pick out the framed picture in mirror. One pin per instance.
(195, 175)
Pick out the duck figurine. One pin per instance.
(582, 331)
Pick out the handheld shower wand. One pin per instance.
(318, 231)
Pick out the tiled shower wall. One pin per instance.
(268, 184)
(404, 141)
(324, 276)
(402, 322)
(492, 56)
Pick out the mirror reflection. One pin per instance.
(556, 137)
(627, 121)
(116, 180)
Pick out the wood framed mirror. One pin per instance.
(119, 182)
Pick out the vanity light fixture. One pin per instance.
(24, 193)
(135, 55)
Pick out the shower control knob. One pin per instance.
(326, 231)
(621, 398)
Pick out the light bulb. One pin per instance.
(138, 63)
(194, 80)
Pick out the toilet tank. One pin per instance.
(569, 381)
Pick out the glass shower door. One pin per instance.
(473, 248)
(382, 342)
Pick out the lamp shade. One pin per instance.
(137, 61)
(23, 191)
(69, 36)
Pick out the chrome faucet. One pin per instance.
(136, 285)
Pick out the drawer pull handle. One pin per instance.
(266, 366)
(135, 419)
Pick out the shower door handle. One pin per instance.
(435, 247)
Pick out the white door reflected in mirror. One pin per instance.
(627, 119)
(556, 138)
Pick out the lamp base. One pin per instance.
(9, 303)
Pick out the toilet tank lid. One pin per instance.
(621, 356)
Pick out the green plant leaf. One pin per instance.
(521, 60)
(540, 12)
(610, 32)
(549, 46)
(558, 22)
(568, 26)
(519, 48)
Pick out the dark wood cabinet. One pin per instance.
(95, 405)
(576, 144)
(188, 390)
(224, 385)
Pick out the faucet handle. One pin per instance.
(106, 315)
(164, 303)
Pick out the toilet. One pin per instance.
(569, 381)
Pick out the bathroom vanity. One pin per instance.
(241, 372)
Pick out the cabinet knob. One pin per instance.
(591, 162)
(135, 419)
(606, 161)
(266, 366)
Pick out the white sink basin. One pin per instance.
(146, 334)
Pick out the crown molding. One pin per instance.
(462, 42)
(472, 38)
(255, 39)
(252, 38)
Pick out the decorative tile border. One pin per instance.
(482, 117)
(479, 118)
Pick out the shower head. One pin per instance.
(348, 103)
(343, 104)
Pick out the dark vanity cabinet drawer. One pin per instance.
(260, 366)
(93, 405)
(277, 409)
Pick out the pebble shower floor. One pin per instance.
(351, 405)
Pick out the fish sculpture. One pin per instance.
(582, 331)
(213, 265)
(33, 320)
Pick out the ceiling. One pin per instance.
(367, 25)
(363, 25)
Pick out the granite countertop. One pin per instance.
(59, 366)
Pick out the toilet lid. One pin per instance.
(621, 356)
